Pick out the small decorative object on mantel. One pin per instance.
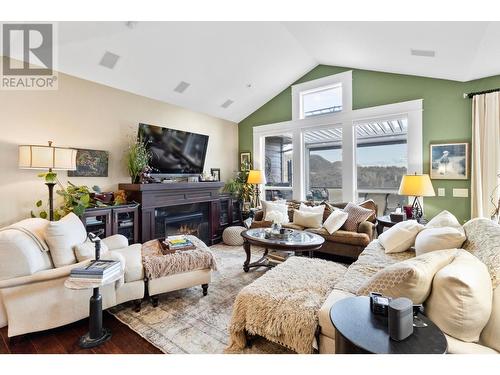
(145, 175)
(207, 177)
(245, 161)
(449, 161)
(90, 163)
(215, 172)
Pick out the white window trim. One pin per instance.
(344, 79)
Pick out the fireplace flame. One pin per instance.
(187, 229)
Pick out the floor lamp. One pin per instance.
(256, 177)
(48, 158)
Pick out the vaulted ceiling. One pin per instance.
(248, 63)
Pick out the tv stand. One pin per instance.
(158, 198)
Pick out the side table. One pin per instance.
(97, 334)
(359, 331)
(384, 222)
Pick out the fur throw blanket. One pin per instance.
(157, 265)
(282, 305)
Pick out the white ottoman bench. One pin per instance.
(232, 236)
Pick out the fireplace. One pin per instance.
(192, 218)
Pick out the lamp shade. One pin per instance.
(416, 186)
(256, 177)
(45, 157)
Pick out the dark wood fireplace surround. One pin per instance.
(161, 195)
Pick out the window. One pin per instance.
(278, 167)
(321, 101)
(382, 160)
(323, 164)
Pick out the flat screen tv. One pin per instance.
(174, 152)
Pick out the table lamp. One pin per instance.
(48, 158)
(256, 178)
(417, 185)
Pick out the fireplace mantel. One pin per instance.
(163, 195)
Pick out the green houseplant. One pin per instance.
(138, 157)
(239, 188)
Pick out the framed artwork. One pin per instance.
(90, 163)
(245, 160)
(216, 173)
(449, 161)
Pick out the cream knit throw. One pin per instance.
(282, 305)
(157, 265)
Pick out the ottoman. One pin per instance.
(232, 236)
(183, 269)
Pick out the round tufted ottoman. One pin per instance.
(232, 236)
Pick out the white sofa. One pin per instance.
(483, 241)
(32, 292)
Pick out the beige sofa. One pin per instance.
(483, 241)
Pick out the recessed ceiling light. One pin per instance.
(109, 60)
(249, 85)
(227, 103)
(423, 52)
(181, 87)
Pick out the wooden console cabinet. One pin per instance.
(158, 198)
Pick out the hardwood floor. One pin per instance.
(63, 340)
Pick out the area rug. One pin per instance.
(187, 322)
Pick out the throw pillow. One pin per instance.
(62, 236)
(411, 278)
(276, 217)
(461, 300)
(356, 215)
(336, 219)
(400, 237)
(431, 239)
(444, 219)
(315, 209)
(307, 219)
(280, 206)
(86, 250)
(370, 205)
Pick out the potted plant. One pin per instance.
(239, 188)
(138, 157)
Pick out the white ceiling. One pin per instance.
(219, 59)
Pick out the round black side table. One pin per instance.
(359, 331)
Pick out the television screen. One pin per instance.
(174, 151)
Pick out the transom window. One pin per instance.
(321, 101)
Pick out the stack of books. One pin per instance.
(98, 271)
(277, 257)
(177, 243)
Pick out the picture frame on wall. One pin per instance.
(215, 172)
(449, 161)
(90, 163)
(245, 160)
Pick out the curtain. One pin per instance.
(485, 154)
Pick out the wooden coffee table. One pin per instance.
(298, 241)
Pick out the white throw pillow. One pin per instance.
(86, 250)
(279, 206)
(411, 278)
(400, 237)
(307, 219)
(335, 221)
(460, 303)
(431, 239)
(276, 217)
(317, 209)
(444, 219)
(62, 236)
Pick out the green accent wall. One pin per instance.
(446, 116)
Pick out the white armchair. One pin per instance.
(32, 292)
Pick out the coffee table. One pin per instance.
(298, 241)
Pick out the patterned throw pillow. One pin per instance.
(357, 215)
(411, 278)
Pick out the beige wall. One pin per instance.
(83, 114)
